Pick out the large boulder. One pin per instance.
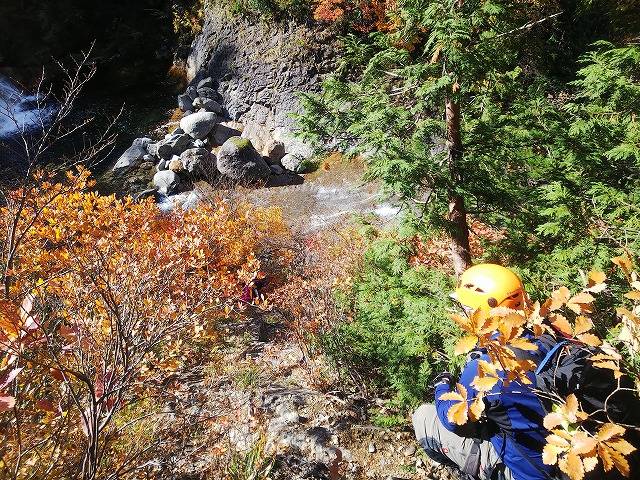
(131, 157)
(238, 160)
(199, 161)
(199, 124)
(166, 182)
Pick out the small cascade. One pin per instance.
(19, 110)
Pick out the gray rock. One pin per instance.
(162, 165)
(292, 162)
(185, 102)
(198, 161)
(212, 106)
(187, 113)
(152, 148)
(192, 92)
(276, 169)
(372, 447)
(130, 158)
(205, 82)
(197, 103)
(222, 133)
(207, 92)
(148, 158)
(178, 131)
(166, 182)
(165, 150)
(178, 143)
(238, 160)
(199, 143)
(141, 142)
(199, 124)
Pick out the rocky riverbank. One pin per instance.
(203, 144)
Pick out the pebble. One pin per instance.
(409, 450)
(372, 448)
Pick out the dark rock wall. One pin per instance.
(260, 66)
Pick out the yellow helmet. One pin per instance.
(488, 285)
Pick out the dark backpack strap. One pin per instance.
(472, 465)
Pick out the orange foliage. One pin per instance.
(364, 15)
(571, 443)
(102, 295)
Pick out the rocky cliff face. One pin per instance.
(260, 67)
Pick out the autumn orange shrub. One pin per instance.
(103, 300)
(573, 443)
(364, 16)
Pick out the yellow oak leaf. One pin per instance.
(465, 344)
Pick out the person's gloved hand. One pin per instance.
(442, 379)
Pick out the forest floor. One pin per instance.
(267, 408)
(269, 405)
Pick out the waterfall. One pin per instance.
(19, 110)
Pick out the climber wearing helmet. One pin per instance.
(507, 442)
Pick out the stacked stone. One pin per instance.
(185, 155)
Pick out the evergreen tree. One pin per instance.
(435, 105)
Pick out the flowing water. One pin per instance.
(19, 110)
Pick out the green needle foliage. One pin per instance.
(552, 161)
(550, 133)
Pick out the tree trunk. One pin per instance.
(460, 251)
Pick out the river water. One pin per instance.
(18, 110)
